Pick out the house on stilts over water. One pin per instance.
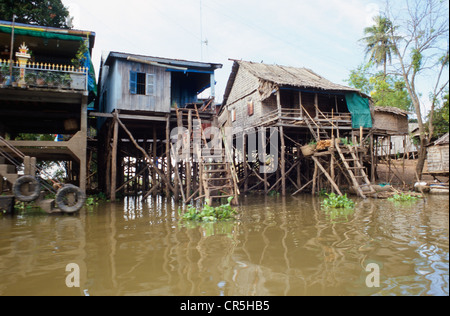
(294, 130)
(154, 119)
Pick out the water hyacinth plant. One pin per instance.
(337, 201)
(403, 197)
(209, 213)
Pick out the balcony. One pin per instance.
(42, 76)
(301, 117)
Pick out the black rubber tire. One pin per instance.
(33, 182)
(60, 199)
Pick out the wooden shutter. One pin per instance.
(133, 82)
(150, 90)
(250, 108)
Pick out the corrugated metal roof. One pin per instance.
(166, 61)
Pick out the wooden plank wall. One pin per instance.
(120, 97)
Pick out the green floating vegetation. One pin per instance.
(209, 213)
(338, 208)
(403, 197)
(338, 201)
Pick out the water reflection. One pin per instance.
(279, 246)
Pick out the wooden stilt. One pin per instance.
(114, 160)
(188, 161)
(168, 159)
(244, 159)
(315, 179)
(154, 154)
(161, 175)
(283, 162)
(332, 171)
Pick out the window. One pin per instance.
(142, 83)
(233, 115)
(250, 108)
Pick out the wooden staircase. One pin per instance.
(217, 176)
(354, 168)
(317, 132)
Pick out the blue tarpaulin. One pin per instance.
(92, 84)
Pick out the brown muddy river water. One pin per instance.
(278, 247)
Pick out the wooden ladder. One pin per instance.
(354, 168)
(218, 176)
(317, 132)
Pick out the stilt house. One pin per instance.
(142, 99)
(303, 107)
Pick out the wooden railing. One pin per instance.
(303, 115)
(45, 76)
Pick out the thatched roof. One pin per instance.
(442, 141)
(389, 109)
(285, 76)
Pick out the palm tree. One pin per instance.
(378, 40)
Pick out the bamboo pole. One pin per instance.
(318, 164)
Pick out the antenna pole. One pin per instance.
(201, 30)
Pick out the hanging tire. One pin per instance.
(24, 194)
(62, 199)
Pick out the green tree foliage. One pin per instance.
(50, 13)
(385, 90)
(390, 91)
(441, 118)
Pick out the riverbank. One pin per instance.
(402, 174)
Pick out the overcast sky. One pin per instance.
(321, 35)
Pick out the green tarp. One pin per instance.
(33, 33)
(360, 109)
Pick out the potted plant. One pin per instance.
(4, 73)
(66, 81)
(30, 78)
(15, 77)
(50, 79)
(40, 78)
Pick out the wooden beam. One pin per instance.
(130, 117)
(302, 188)
(335, 186)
